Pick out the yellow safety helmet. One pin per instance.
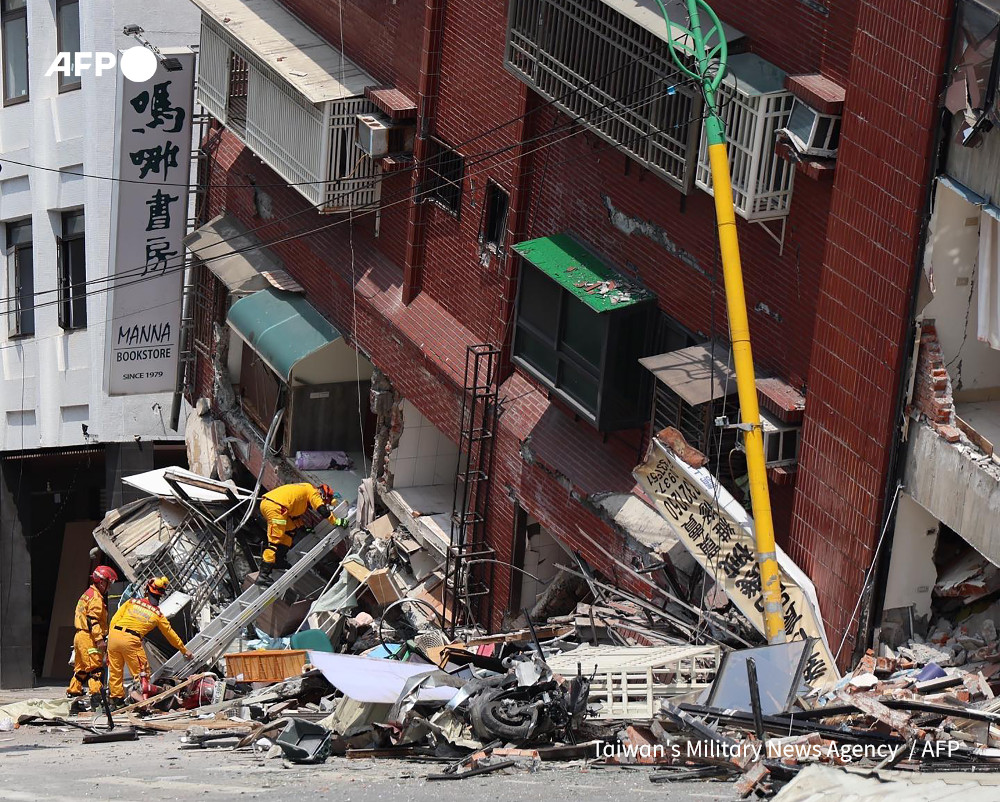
(158, 586)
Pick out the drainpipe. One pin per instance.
(517, 230)
(430, 78)
(894, 476)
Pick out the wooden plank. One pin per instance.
(977, 439)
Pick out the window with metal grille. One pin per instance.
(589, 359)
(14, 35)
(20, 280)
(209, 301)
(697, 423)
(754, 105)
(72, 260)
(493, 226)
(68, 40)
(445, 171)
(614, 75)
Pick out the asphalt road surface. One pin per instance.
(51, 764)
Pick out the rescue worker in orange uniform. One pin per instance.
(283, 509)
(91, 640)
(135, 619)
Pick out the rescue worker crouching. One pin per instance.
(135, 619)
(90, 643)
(283, 509)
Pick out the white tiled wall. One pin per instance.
(541, 555)
(424, 455)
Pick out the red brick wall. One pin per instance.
(796, 34)
(932, 391)
(382, 38)
(862, 315)
(827, 313)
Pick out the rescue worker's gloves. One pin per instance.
(101, 644)
(187, 653)
(339, 521)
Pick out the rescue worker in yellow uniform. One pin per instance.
(283, 509)
(91, 640)
(135, 619)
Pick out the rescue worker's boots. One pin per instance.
(282, 558)
(264, 575)
(95, 703)
(78, 705)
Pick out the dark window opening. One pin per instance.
(589, 359)
(445, 170)
(68, 40)
(493, 227)
(14, 33)
(72, 272)
(20, 280)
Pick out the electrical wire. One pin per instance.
(487, 132)
(403, 196)
(373, 207)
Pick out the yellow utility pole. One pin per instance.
(707, 65)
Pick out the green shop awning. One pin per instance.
(583, 273)
(283, 327)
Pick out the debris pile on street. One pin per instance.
(354, 651)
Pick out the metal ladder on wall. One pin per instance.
(210, 644)
(468, 591)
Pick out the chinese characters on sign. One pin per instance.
(715, 529)
(149, 213)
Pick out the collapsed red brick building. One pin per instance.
(507, 123)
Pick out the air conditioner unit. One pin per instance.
(373, 135)
(812, 133)
(781, 441)
(379, 136)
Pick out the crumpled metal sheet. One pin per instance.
(827, 784)
(21, 712)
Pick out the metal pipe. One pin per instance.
(758, 719)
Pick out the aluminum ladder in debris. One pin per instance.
(209, 644)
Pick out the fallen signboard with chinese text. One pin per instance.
(718, 532)
(149, 217)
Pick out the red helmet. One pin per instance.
(104, 573)
(158, 586)
(327, 493)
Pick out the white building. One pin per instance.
(54, 232)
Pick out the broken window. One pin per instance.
(445, 169)
(974, 71)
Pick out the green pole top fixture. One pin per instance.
(701, 54)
